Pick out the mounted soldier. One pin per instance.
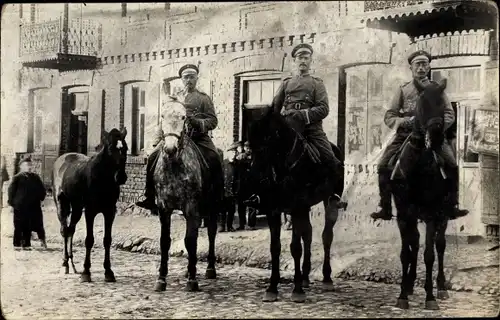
(400, 116)
(303, 99)
(201, 119)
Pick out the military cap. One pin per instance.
(302, 48)
(419, 54)
(188, 69)
(235, 145)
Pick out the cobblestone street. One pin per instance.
(33, 286)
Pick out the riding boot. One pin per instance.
(455, 212)
(149, 201)
(384, 185)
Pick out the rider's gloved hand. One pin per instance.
(296, 114)
(408, 123)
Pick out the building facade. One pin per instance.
(79, 70)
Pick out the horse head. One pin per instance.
(430, 109)
(114, 147)
(173, 123)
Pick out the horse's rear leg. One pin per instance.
(89, 243)
(430, 239)
(331, 216)
(442, 292)
(274, 222)
(63, 212)
(307, 240)
(109, 218)
(212, 233)
(165, 241)
(414, 241)
(191, 243)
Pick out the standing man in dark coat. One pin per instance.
(26, 192)
(228, 207)
(5, 177)
(244, 161)
(201, 119)
(304, 98)
(400, 116)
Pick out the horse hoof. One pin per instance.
(211, 274)
(402, 304)
(192, 286)
(270, 296)
(306, 283)
(160, 285)
(328, 286)
(298, 297)
(109, 277)
(443, 294)
(85, 277)
(431, 305)
(66, 270)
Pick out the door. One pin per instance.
(78, 123)
(257, 94)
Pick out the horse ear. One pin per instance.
(124, 132)
(442, 83)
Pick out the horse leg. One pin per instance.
(307, 240)
(210, 273)
(63, 212)
(405, 257)
(430, 236)
(414, 238)
(191, 243)
(274, 222)
(109, 218)
(76, 215)
(89, 243)
(165, 241)
(331, 216)
(298, 221)
(442, 292)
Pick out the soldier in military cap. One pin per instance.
(201, 119)
(303, 97)
(400, 116)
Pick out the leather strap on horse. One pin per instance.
(203, 161)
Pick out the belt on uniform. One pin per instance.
(297, 105)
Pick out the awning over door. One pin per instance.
(430, 17)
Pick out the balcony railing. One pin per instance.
(45, 40)
(383, 5)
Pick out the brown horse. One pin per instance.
(179, 182)
(91, 184)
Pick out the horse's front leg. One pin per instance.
(193, 222)
(89, 243)
(405, 257)
(165, 241)
(430, 236)
(331, 216)
(274, 222)
(76, 215)
(210, 273)
(442, 292)
(414, 242)
(299, 225)
(109, 218)
(63, 212)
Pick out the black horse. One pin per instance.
(288, 180)
(423, 193)
(91, 184)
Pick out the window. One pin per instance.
(32, 13)
(138, 119)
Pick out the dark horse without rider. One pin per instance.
(91, 184)
(423, 190)
(289, 180)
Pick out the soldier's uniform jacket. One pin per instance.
(304, 92)
(402, 108)
(201, 110)
(229, 185)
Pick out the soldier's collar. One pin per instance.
(305, 74)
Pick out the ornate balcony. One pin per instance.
(56, 45)
(417, 18)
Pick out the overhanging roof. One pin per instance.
(434, 17)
